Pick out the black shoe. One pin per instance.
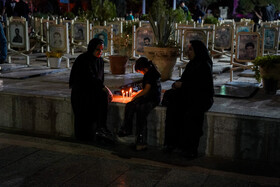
(123, 132)
(104, 134)
(190, 154)
(141, 144)
(168, 149)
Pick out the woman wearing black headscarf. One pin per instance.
(188, 100)
(89, 96)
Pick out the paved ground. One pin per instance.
(34, 161)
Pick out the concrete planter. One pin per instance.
(164, 58)
(118, 64)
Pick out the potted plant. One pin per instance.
(54, 58)
(164, 51)
(122, 51)
(267, 68)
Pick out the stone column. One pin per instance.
(174, 4)
(144, 7)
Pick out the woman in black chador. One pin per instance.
(188, 100)
(89, 96)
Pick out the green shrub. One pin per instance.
(210, 20)
(268, 61)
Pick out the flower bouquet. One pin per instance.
(54, 54)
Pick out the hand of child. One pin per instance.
(133, 94)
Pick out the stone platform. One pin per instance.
(246, 128)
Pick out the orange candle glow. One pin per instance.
(130, 92)
(123, 94)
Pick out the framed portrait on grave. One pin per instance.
(58, 38)
(17, 32)
(117, 27)
(180, 29)
(244, 28)
(80, 31)
(145, 24)
(144, 37)
(223, 37)
(32, 22)
(194, 34)
(208, 26)
(51, 22)
(266, 25)
(278, 29)
(70, 22)
(247, 46)
(37, 25)
(270, 38)
(103, 33)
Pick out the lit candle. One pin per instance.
(122, 94)
(130, 92)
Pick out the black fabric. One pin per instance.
(198, 12)
(10, 8)
(87, 73)
(186, 106)
(197, 86)
(142, 107)
(152, 77)
(268, 12)
(21, 9)
(88, 98)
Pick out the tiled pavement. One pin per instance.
(34, 161)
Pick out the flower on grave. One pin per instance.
(122, 44)
(54, 54)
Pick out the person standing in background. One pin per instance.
(10, 8)
(129, 16)
(198, 13)
(3, 45)
(22, 9)
(184, 7)
(2, 3)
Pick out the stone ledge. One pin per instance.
(230, 135)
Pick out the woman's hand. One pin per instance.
(109, 93)
(176, 85)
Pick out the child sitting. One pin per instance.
(142, 103)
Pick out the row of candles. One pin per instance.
(127, 93)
